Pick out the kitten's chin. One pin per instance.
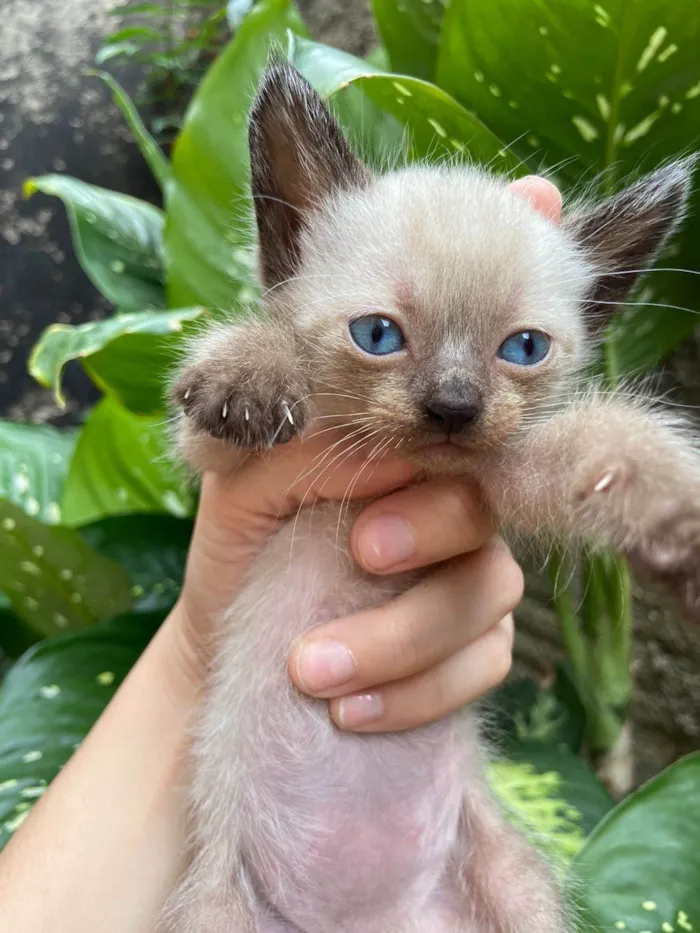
(444, 457)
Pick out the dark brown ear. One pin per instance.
(623, 235)
(298, 158)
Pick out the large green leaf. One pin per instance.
(640, 869)
(122, 464)
(53, 579)
(589, 88)
(436, 123)
(127, 355)
(49, 701)
(151, 548)
(209, 234)
(579, 786)
(520, 711)
(117, 239)
(410, 31)
(150, 150)
(600, 83)
(34, 463)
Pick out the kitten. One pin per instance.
(433, 311)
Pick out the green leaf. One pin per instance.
(151, 548)
(108, 52)
(34, 463)
(590, 88)
(131, 9)
(520, 711)
(117, 239)
(209, 233)
(643, 335)
(122, 464)
(149, 148)
(127, 356)
(52, 578)
(550, 794)
(436, 122)
(133, 32)
(579, 786)
(641, 867)
(50, 700)
(410, 32)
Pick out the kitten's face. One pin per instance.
(439, 313)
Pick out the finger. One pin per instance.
(435, 693)
(270, 487)
(542, 194)
(450, 608)
(421, 525)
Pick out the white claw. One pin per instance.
(289, 414)
(187, 392)
(247, 414)
(224, 410)
(604, 481)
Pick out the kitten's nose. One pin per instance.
(455, 411)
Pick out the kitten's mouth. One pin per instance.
(442, 449)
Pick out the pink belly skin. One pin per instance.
(337, 833)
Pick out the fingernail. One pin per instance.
(359, 710)
(385, 542)
(324, 663)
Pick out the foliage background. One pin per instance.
(75, 503)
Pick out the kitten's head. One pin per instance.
(434, 307)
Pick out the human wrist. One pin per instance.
(180, 653)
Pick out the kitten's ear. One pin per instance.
(298, 157)
(623, 235)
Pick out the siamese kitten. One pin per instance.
(440, 315)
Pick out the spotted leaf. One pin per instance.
(640, 868)
(34, 462)
(118, 240)
(122, 463)
(127, 356)
(49, 701)
(151, 548)
(410, 31)
(434, 122)
(53, 579)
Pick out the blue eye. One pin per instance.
(377, 335)
(525, 348)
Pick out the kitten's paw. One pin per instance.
(254, 413)
(671, 551)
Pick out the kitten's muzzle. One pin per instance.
(453, 411)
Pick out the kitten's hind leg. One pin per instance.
(609, 473)
(503, 885)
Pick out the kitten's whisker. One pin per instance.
(324, 454)
(345, 502)
(346, 453)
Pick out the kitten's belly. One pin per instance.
(343, 832)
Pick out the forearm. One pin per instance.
(103, 848)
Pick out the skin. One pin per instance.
(103, 848)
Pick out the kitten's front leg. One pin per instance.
(246, 386)
(614, 474)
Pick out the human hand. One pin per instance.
(428, 652)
